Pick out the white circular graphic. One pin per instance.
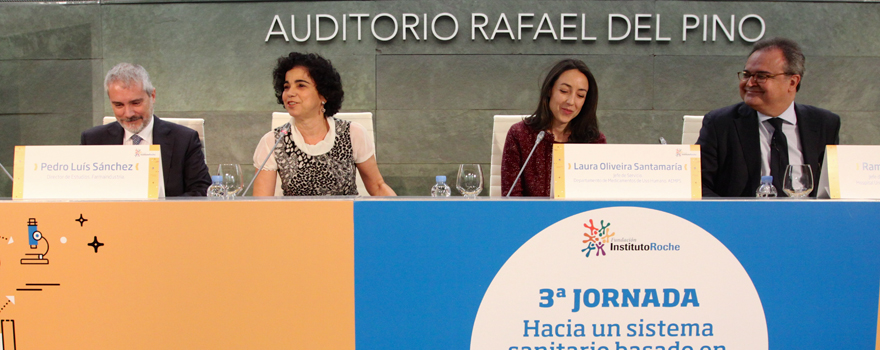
(621, 278)
(63, 240)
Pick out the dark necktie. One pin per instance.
(778, 154)
(136, 140)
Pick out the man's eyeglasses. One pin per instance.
(759, 77)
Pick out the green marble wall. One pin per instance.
(432, 100)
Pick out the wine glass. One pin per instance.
(231, 174)
(798, 181)
(470, 180)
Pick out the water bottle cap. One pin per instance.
(217, 178)
(441, 178)
(767, 179)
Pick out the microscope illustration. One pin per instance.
(34, 238)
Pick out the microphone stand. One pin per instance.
(537, 141)
(283, 133)
(7, 173)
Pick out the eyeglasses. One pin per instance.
(759, 77)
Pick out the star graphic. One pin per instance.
(81, 220)
(95, 244)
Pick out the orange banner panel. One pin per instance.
(178, 275)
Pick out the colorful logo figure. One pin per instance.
(137, 153)
(597, 238)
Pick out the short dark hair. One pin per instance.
(327, 79)
(585, 126)
(794, 57)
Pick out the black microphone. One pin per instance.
(271, 151)
(7, 173)
(537, 141)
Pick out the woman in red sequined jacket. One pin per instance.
(566, 113)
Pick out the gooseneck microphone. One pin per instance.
(537, 141)
(271, 150)
(7, 173)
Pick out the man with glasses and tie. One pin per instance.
(768, 130)
(132, 96)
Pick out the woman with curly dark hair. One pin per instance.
(566, 113)
(317, 154)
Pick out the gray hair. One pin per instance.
(127, 74)
(794, 57)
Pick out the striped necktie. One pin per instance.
(136, 140)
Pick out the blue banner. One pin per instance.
(422, 268)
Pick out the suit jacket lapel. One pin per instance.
(749, 138)
(161, 136)
(808, 131)
(115, 134)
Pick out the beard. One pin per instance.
(127, 123)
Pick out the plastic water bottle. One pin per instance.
(217, 190)
(766, 190)
(441, 189)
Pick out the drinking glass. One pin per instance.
(798, 181)
(470, 180)
(231, 179)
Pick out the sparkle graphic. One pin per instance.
(81, 220)
(95, 244)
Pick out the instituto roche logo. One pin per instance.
(597, 238)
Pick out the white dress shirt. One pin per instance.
(790, 129)
(147, 139)
(146, 135)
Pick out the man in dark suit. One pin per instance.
(132, 96)
(767, 131)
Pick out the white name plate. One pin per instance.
(591, 171)
(87, 172)
(850, 172)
